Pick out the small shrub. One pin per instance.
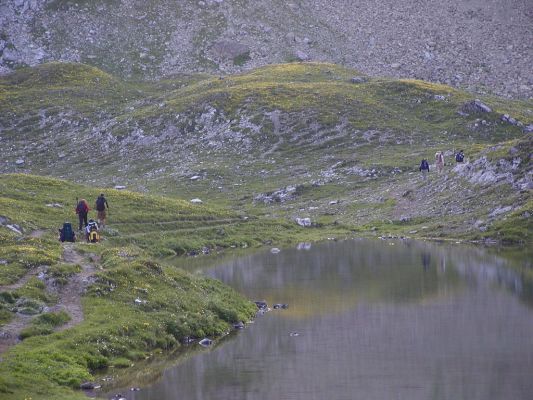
(35, 330)
(121, 362)
(53, 319)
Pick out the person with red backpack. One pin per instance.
(82, 209)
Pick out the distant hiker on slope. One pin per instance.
(424, 168)
(82, 209)
(101, 205)
(439, 161)
(460, 157)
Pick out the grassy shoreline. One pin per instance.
(134, 306)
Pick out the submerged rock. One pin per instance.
(261, 304)
(89, 386)
(206, 342)
(238, 325)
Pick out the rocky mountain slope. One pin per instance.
(485, 46)
(315, 143)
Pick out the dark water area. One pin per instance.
(369, 320)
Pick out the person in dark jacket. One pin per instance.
(82, 209)
(424, 168)
(101, 206)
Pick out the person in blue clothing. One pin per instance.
(424, 168)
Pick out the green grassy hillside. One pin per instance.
(344, 147)
(133, 305)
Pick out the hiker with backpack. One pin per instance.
(101, 205)
(424, 168)
(460, 157)
(439, 161)
(91, 232)
(82, 209)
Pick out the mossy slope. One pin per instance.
(339, 137)
(134, 306)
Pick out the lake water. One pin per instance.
(369, 320)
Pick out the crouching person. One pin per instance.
(91, 232)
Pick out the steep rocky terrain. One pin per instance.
(485, 46)
(297, 141)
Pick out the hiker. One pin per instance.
(91, 232)
(66, 234)
(439, 161)
(460, 157)
(101, 205)
(82, 209)
(424, 168)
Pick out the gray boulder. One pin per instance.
(230, 50)
(475, 106)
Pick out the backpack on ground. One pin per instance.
(67, 233)
(459, 157)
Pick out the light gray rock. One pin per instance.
(500, 210)
(306, 222)
(358, 79)
(15, 228)
(301, 55)
(475, 106)
(509, 119)
(120, 187)
(196, 201)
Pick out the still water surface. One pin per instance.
(369, 320)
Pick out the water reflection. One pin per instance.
(375, 320)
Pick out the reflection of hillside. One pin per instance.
(334, 277)
(375, 320)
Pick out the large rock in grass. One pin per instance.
(474, 107)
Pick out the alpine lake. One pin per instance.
(361, 319)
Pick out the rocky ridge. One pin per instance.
(477, 45)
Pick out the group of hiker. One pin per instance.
(91, 227)
(439, 162)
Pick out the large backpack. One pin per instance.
(67, 233)
(81, 208)
(100, 203)
(94, 237)
(459, 157)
